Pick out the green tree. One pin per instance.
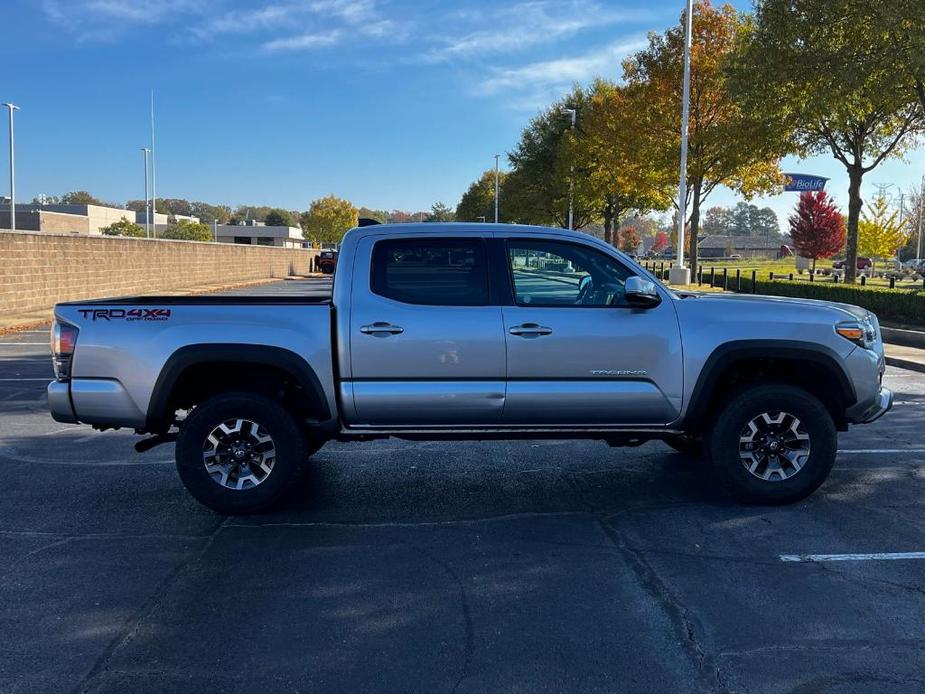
(278, 218)
(880, 233)
(716, 220)
(380, 216)
(80, 197)
(478, 202)
(124, 228)
(211, 213)
(328, 219)
(815, 68)
(441, 213)
(543, 165)
(185, 230)
(726, 146)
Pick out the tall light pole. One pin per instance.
(153, 172)
(12, 107)
(921, 211)
(145, 151)
(571, 177)
(497, 187)
(680, 274)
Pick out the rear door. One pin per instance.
(426, 346)
(577, 352)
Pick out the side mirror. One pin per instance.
(641, 292)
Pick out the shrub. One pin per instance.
(124, 228)
(901, 305)
(188, 231)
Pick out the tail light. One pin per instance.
(63, 341)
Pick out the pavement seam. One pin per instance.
(134, 623)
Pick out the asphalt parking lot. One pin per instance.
(453, 567)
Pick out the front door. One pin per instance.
(577, 352)
(426, 348)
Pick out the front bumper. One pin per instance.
(867, 412)
(59, 403)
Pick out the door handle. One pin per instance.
(382, 329)
(530, 330)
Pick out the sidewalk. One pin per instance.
(904, 357)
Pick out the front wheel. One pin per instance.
(772, 444)
(239, 452)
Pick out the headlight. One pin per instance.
(862, 333)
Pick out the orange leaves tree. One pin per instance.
(726, 146)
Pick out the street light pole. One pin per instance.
(921, 211)
(571, 180)
(12, 107)
(680, 274)
(496, 188)
(153, 172)
(145, 151)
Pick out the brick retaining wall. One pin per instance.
(39, 269)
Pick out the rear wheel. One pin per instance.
(772, 444)
(239, 452)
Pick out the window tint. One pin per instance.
(445, 272)
(553, 273)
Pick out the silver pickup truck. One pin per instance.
(472, 331)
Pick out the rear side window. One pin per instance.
(435, 272)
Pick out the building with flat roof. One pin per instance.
(260, 235)
(75, 219)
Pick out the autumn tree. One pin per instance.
(814, 67)
(607, 151)
(880, 232)
(478, 202)
(184, 230)
(328, 219)
(80, 197)
(124, 228)
(661, 241)
(817, 227)
(726, 145)
(629, 239)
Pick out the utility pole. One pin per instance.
(571, 177)
(921, 212)
(12, 107)
(680, 274)
(145, 151)
(153, 172)
(497, 187)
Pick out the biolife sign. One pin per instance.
(801, 183)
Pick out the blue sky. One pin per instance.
(390, 103)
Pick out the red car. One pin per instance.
(327, 261)
(863, 264)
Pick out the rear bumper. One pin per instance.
(867, 412)
(59, 402)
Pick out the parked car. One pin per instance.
(443, 331)
(862, 263)
(327, 262)
(915, 264)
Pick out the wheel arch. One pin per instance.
(263, 360)
(813, 367)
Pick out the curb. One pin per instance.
(903, 337)
(905, 364)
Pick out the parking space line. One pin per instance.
(876, 556)
(17, 380)
(882, 450)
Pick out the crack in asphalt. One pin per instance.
(133, 624)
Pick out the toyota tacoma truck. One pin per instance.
(472, 331)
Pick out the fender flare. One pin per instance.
(212, 353)
(743, 350)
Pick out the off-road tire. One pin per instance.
(725, 443)
(287, 441)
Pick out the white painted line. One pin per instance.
(883, 450)
(18, 344)
(876, 556)
(16, 380)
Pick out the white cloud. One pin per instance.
(302, 42)
(525, 24)
(564, 71)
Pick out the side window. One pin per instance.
(554, 273)
(435, 272)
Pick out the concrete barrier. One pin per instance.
(39, 269)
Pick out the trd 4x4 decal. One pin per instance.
(128, 314)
